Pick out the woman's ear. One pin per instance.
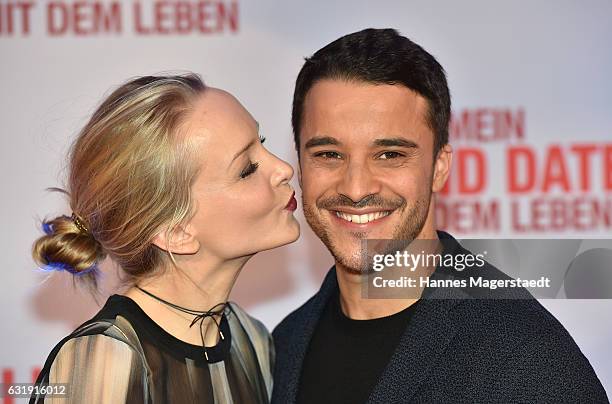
(442, 167)
(181, 240)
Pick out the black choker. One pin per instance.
(199, 315)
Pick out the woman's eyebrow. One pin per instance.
(245, 148)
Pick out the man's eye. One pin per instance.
(390, 155)
(249, 169)
(328, 155)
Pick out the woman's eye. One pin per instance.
(328, 155)
(390, 155)
(249, 169)
(262, 139)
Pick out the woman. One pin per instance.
(169, 179)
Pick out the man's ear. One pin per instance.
(181, 240)
(442, 167)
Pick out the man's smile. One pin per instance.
(362, 218)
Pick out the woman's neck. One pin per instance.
(193, 284)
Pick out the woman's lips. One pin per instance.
(292, 204)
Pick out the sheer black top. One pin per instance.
(122, 355)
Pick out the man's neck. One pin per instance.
(357, 307)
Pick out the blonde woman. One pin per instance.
(170, 180)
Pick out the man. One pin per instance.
(370, 120)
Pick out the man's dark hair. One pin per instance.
(378, 56)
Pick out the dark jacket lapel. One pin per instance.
(428, 334)
(309, 319)
(430, 331)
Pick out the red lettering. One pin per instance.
(558, 217)
(482, 122)
(602, 212)
(161, 17)
(204, 17)
(487, 124)
(580, 214)
(459, 125)
(183, 21)
(9, 17)
(25, 16)
(7, 379)
(560, 214)
(537, 214)
(513, 123)
(111, 20)
(10, 14)
(583, 153)
(227, 15)
(79, 17)
(514, 155)
(555, 171)
(83, 18)
(185, 17)
(607, 168)
(479, 170)
(140, 29)
(56, 10)
(468, 217)
(515, 215)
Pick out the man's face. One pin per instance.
(367, 166)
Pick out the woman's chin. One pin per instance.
(295, 232)
(290, 235)
(296, 237)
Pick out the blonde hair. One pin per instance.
(130, 177)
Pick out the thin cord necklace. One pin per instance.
(199, 315)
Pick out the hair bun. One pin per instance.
(67, 246)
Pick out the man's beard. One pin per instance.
(356, 262)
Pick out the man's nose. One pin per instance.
(358, 181)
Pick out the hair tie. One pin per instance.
(62, 266)
(78, 222)
(47, 228)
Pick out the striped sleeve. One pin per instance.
(262, 343)
(98, 369)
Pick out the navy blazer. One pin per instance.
(457, 349)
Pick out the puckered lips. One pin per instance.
(362, 219)
(292, 204)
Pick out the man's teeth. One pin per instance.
(368, 217)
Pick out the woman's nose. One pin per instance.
(283, 172)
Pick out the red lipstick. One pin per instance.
(292, 204)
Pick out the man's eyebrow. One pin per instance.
(321, 141)
(395, 142)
